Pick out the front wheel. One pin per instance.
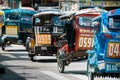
(31, 55)
(60, 63)
(89, 72)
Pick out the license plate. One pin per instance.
(112, 68)
(43, 48)
(113, 50)
(85, 42)
(11, 30)
(43, 39)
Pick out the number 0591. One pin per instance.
(86, 42)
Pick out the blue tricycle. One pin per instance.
(104, 58)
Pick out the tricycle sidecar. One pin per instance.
(2, 20)
(46, 28)
(104, 58)
(18, 26)
(78, 36)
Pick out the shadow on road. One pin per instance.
(16, 50)
(47, 60)
(10, 75)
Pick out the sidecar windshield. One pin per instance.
(114, 23)
(26, 17)
(12, 16)
(85, 21)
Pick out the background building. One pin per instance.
(68, 5)
(73, 5)
(65, 5)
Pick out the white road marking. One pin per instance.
(9, 56)
(81, 77)
(54, 75)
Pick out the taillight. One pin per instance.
(107, 36)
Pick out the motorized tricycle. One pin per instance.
(78, 36)
(104, 58)
(18, 26)
(46, 28)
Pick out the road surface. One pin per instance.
(19, 67)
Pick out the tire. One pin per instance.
(89, 73)
(90, 76)
(60, 64)
(2, 70)
(32, 58)
(3, 47)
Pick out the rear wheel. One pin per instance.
(60, 63)
(32, 57)
(3, 47)
(89, 72)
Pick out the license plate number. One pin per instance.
(112, 67)
(85, 42)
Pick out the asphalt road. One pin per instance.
(19, 67)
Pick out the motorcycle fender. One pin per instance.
(3, 39)
(62, 54)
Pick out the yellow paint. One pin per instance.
(32, 43)
(1, 23)
(11, 30)
(43, 39)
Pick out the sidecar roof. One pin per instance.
(66, 15)
(114, 12)
(97, 18)
(91, 11)
(47, 13)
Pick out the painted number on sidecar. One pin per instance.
(43, 39)
(113, 50)
(86, 42)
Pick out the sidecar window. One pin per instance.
(57, 21)
(26, 17)
(114, 23)
(12, 16)
(85, 21)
